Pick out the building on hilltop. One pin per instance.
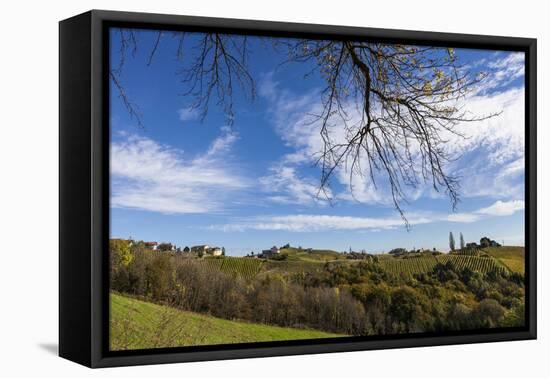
(214, 251)
(166, 247)
(152, 245)
(485, 242)
(200, 248)
(266, 253)
(207, 250)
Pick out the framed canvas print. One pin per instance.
(234, 188)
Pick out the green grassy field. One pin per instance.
(314, 255)
(512, 257)
(137, 324)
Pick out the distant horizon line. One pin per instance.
(345, 250)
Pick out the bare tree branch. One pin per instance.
(154, 49)
(407, 96)
(220, 63)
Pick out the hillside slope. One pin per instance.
(512, 257)
(312, 255)
(136, 324)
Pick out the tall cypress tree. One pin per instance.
(451, 241)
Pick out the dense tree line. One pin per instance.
(354, 299)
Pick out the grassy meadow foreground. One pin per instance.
(137, 324)
(166, 299)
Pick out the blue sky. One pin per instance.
(254, 185)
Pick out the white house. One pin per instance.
(206, 249)
(153, 245)
(200, 248)
(215, 251)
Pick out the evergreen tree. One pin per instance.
(451, 241)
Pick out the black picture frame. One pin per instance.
(84, 188)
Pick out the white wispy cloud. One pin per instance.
(501, 208)
(287, 187)
(188, 114)
(500, 69)
(505, 69)
(221, 145)
(311, 223)
(497, 209)
(501, 137)
(150, 176)
(284, 182)
(325, 223)
(492, 153)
